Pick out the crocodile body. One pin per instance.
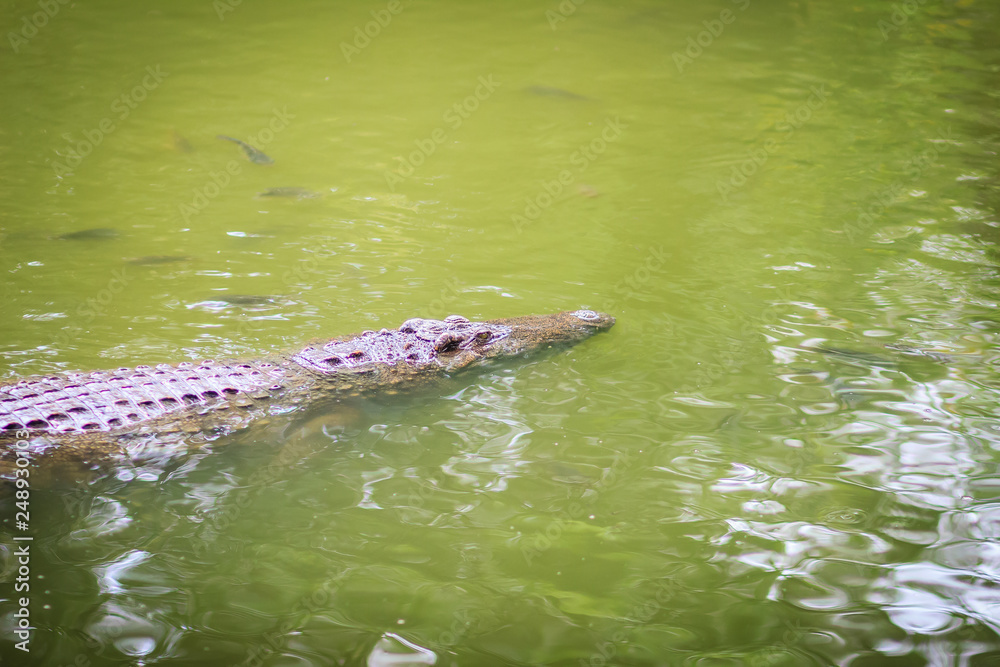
(89, 415)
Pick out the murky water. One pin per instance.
(785, 453)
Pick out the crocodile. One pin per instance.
(91, 417)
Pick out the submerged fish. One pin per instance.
(97, 233)
(910, 351)
(245, 299)
(150, 260)
(295, 193)
(222, 302)
(864, 358)
(254, 155)
(180, 144)
(549, 91)
(868, 359)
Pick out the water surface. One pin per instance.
(765, 194)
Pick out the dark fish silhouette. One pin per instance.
(254, 155)
(857, 356)
(236, 301)
(296, 193)
(245, 299)
(150, 260)
(179, 143)
(911, 351)
(868, 359)
(549, 91)
(97, 233)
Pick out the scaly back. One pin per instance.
(110, 400)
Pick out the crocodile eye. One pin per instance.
(483, 336)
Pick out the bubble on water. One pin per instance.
(392, 650)
(136, 646)
(843, 515)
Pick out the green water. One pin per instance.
(700, 486)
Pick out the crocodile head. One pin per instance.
(469, 343)
(534, 332)
(454, 342)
